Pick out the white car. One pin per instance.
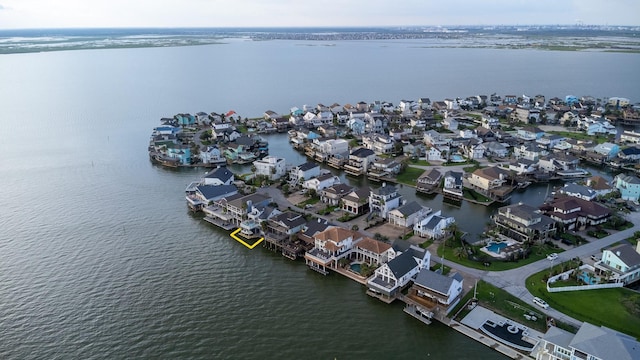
(552, 257)
(543, 304)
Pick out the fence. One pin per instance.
(565, 275)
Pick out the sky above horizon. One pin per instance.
(24, 14)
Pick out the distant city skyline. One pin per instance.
(25, 14)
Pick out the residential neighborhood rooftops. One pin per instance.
(409, 208)
(307, 166)
(375, 246)
(401, 265)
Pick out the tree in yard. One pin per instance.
(355, 227)
(459, 252)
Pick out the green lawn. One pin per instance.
(580, 136)
(504, 304)
(617, 308)
(539, 252)
(409, 176)
(419, 162)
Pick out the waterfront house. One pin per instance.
(576, 213)
(621, 262)
(330, 246)
(257, 215)
(372, 252)
(524, 223)
(303, 172)
(594, 126)
(384, 167)
(393, 276)
(218, 176)
(359, 161)
(271, 167)
(522, 166)
(281, 124)
(491, 182)
(555, 162)
(579, 191)
(435, 292)
(282, 226)
(529, 151)
(489, 122)
(630, 154)
(600, 185)
(549, 141)
(321, 182)
(528, 133)
(379, 143)
(166, 130)
(205, 195)
(383, 199)
(356, 202)
(212, 155)
(333, 194)
(234, 209)
(310, 229)
(628, 185)
(453, 185)
(630, 136)
(590, 342)
(332, 147)
(428, 181)
(270, 115)
(607, 149)
(185, 119)
(407, 214)
(433, 226)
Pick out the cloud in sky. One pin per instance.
(327, 13)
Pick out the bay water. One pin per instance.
(99, 257)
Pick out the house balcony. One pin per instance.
(250, 228)
(319, 256)
(354, 170)
(382, 286)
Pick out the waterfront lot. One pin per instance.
(616, 308)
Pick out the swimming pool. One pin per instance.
(584, 276)
(456, 158)
(355, 267)
(496, 247)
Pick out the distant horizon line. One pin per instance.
(330, 27)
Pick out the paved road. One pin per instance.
(513, 281)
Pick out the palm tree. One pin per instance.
(459, 252)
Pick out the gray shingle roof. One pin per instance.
(605, 343)
(221, 173)
(628, 254)
(362, 152)
(409, 208)
(401, 265)
(434, 281)
(216, 191)
(308, 166)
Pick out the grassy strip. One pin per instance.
(617, 308)
(580, 136)
(409, 176)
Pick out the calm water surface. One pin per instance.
(99, 257)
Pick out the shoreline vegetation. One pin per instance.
(548, 38)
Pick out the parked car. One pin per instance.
(595, 258)
(552, 257)
(543, 304)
